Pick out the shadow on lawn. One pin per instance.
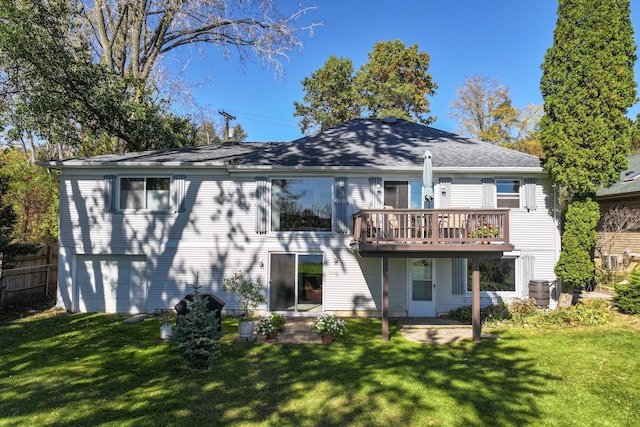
(92, 369)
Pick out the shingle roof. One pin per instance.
(623, 187)
(366, 143)
(377, 143)
(217, 154)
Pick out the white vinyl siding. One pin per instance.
(111, 283)
(215, 236)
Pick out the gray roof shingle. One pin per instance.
(623, 187)
(376, 143)
(366, 143)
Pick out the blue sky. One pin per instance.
(501, 39)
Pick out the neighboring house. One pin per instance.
(616, 246)
(330, 222)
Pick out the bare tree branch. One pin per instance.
(131, 36)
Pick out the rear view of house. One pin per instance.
(344, 221)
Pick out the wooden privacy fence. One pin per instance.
(29, 277)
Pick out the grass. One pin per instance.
(91, 369)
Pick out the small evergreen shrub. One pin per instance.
(197, 334)
(627, 298)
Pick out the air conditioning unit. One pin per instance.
(613, 262)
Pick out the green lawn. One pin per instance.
(91, 369)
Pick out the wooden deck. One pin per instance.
(441, 232)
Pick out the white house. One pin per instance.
(333, 222)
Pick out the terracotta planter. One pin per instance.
(328, 338)
(272, 336)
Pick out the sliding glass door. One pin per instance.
(296, 282)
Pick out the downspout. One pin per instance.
(557, 244)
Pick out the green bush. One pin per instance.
(575, 266)
(607, 276)
(522, 309)
(525, 313)
(591, 312)
(491, 313)
(197, 334)
(627, 298)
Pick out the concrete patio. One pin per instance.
(420, 330)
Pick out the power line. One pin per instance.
(265, 119)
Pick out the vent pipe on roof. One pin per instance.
(389, 120)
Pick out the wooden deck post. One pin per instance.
(475, 299)
(385, 299)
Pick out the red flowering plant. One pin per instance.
(484, 231)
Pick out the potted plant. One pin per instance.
(485, 231)
(328, 326)
(249, 296)
(270, 326)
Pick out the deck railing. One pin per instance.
(429, 226)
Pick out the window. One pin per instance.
(145, 193)
(396, 194)
(497, 274)
(508, 192)
(421, 280)
(301, 204)
(416, 196)
(295, 282)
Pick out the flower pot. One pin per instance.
(245, 328)
(272, 336)
(328, 338)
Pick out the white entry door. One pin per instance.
(422, 288)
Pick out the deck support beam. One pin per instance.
(385, 299)
(475, 299)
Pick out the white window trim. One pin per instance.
(520, 194)
(145, 177)
(515, 255)
(304, 232)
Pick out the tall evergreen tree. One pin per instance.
(587, 85)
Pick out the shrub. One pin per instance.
(197, 334)
(494, 312)
(524, 312)
(249, 293)
(575, 267)
(627, 298)
(592, 312)
(522, 309)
